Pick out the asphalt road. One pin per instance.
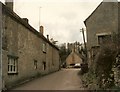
(65, 79)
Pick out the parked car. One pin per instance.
(77, 65)
(70, 66)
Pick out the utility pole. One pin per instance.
(1, 28)
(82, 30)
(84, 66)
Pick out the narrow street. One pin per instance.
(65, 79)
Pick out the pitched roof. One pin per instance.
(13, 15)
(92, 13)
(96, 10)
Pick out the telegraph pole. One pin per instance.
(82, 30)
(84, 67)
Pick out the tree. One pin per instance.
(63, 54)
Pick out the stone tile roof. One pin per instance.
(17, 18)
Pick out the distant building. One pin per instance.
(26, 53)
(74, 56)
(74, 46)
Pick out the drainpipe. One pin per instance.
(1, 79)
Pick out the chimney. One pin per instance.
(41, 30)
(26, 20)
(9, 4)
(48, 37)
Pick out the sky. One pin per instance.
(62, 19)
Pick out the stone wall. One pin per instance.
(104, 20)
(20, 41)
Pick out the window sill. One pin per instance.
(12, 73)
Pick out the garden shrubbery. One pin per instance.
(101, 74)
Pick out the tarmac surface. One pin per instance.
(65, 79)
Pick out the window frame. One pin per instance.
(35, 64)
(103, 39)
(12, 64)
(44, 47)
(103, 36)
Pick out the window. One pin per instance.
(52, 57)
(44, 65)
(44, 47)
(102, 39)
(12, 64)
(35, 64)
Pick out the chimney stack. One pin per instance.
(26, 20)
(41, 30)
(48, 37)
(9, 4)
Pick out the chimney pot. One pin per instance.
(48, 37)
(41, 30)
(26, 20)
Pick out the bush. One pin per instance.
(101, 74)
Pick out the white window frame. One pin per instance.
(12, 64)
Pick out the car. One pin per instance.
(69, 66)
(77, 65)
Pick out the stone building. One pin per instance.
(76, 46)
(26, 53)
(74, 57)
(101, 24)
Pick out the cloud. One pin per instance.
(62, 20)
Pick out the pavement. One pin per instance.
(65, 79)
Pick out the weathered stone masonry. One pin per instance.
(102, 22)
(30, 51)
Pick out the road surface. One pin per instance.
(65, 79)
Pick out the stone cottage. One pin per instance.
(26, 53)
(101, 24)
(74, 57)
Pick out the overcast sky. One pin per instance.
(62, 19)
